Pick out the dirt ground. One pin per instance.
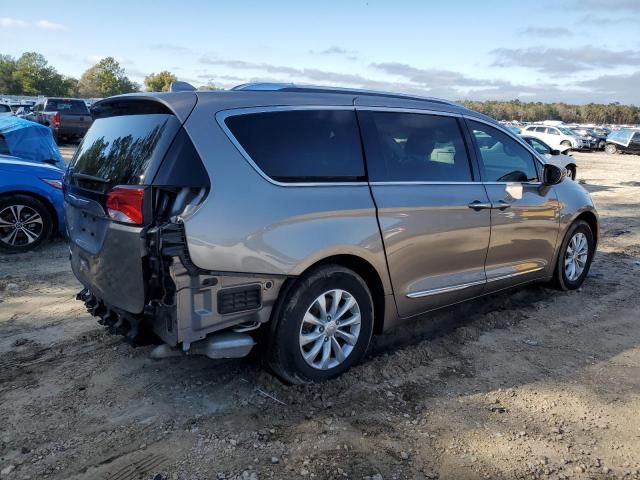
(529, 383)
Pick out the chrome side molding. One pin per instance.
(462, 286)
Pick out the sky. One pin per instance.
(576, 51)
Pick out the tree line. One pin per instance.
(31, 74)
(597, 113)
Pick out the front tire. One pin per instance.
(25, 222)
(575, 256)
(323, 328)
(611, 149)
(566, 144)
(571, 172)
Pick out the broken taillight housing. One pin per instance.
(124, 204)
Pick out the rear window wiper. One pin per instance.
(91, 178)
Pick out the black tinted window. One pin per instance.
(502, 158)
(302, 145)
(125, 149)
(66, 106)
(414, 147)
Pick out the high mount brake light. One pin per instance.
(124, 204)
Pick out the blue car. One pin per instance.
(28, 141)
(31, 203)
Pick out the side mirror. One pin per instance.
(554, 152)
(552, 175)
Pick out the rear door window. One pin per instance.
(67, 106)
(502, 159)
(125, 149)
(302, 145)
(414, 147)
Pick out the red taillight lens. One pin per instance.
(125, 204)
(56, 120)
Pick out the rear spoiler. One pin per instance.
(179, 104)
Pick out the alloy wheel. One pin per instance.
(575, 258)
(330, 329)
(20, 225)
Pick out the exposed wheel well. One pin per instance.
(45, 202)
(591, 219)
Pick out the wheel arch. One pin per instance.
(353, 262)
(592, 220)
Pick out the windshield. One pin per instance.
(621, 136)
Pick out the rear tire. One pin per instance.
(571, 172)
(611, 149)
(315, 337)
(566, 144)
(575, 256)
(25, 222)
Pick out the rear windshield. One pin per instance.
(125, 149)
(4, 108)
(66, 106)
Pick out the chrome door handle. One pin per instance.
(502, 205)
(477, 206)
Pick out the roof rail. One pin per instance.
(292, 87)
(264, 86)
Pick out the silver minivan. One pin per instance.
(307, 219)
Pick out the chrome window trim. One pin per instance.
(409, 182)
(462, 286)
(222, 115)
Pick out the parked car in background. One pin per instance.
(24, 111)
(597, 142)
(602, 132)
(623, 141)
(553, 156)
(28, 141)
(559, 138)
(5, 110)
(68, 118)
(31, 204)
(308, 218)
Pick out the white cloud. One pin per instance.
(565, 60)
(10, 22)
(48, 25)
